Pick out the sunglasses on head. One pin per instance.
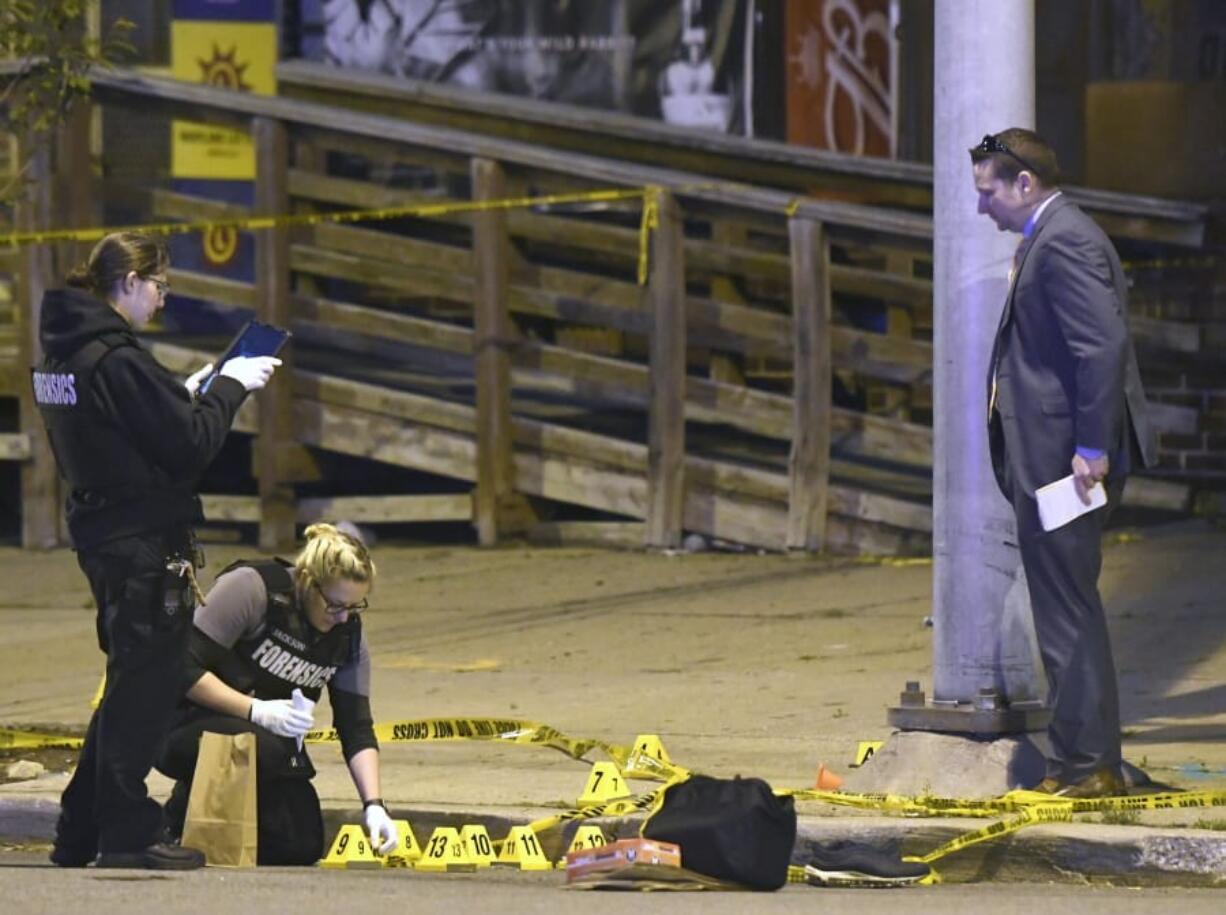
(990, 144)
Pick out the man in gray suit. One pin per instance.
(1064, 396)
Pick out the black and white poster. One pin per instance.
(681, 61)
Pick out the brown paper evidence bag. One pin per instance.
(221, 810)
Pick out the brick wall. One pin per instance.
(1187, 293)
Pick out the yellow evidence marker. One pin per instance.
(407, 851)
(478, 845)
(647, 748)
(865, 750)
(587, 837)
(445, 852)
(604, 783)
(522, 849)
(351, 850)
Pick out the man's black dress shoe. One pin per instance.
(159, 857)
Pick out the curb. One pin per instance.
(1060, 853)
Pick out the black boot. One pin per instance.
(73, 855)
(159, 857)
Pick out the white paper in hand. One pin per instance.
(1059, 503)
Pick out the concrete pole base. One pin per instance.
(990, 715)
(949, 765)
(954, 765)
(969, 720)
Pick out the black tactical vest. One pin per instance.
(288, 653)
(93, 452)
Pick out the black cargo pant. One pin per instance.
(290, 822)
(144, 615)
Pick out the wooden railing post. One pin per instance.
(493, 330)
(40, 481)
(666, 410)
(809, 462)
(276, 429)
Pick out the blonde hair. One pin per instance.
(117, 255)
(331, 554)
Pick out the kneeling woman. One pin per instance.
(268, 638)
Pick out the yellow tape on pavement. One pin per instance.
(513, 731)
(922, 806)
(623, 807)
(1021, 808)
(1051, 812)
(1013, 802)
(504, 730)
(13, 739)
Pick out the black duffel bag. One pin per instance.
(732, 829)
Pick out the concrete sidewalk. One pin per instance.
(757, 665)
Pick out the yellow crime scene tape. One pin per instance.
(1019, 809)
(13, 739)
(502, 730)
(649, 196)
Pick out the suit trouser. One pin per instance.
(1062, 569)
(143, 631)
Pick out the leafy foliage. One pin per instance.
(47, 52)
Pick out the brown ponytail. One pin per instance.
(114, 257)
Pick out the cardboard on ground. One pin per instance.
(621, 854)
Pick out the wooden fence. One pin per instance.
(770, 384)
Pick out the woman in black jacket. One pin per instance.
(130, 440)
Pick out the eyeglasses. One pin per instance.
(334, 609)
(990, 144)
(163, 286)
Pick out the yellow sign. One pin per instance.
(232, 55)
(604, 783)
(445, 851)
(350, 849)
(522, 848)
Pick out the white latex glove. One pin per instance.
(382, 832)
(302, 704)
(195, 379)
(252, 372)
(280, 717)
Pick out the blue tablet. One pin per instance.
(255, 339)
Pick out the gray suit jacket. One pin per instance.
(1064, 365)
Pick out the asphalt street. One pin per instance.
(32, 886)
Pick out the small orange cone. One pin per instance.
(827, 780)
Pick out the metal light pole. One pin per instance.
(985, 676)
